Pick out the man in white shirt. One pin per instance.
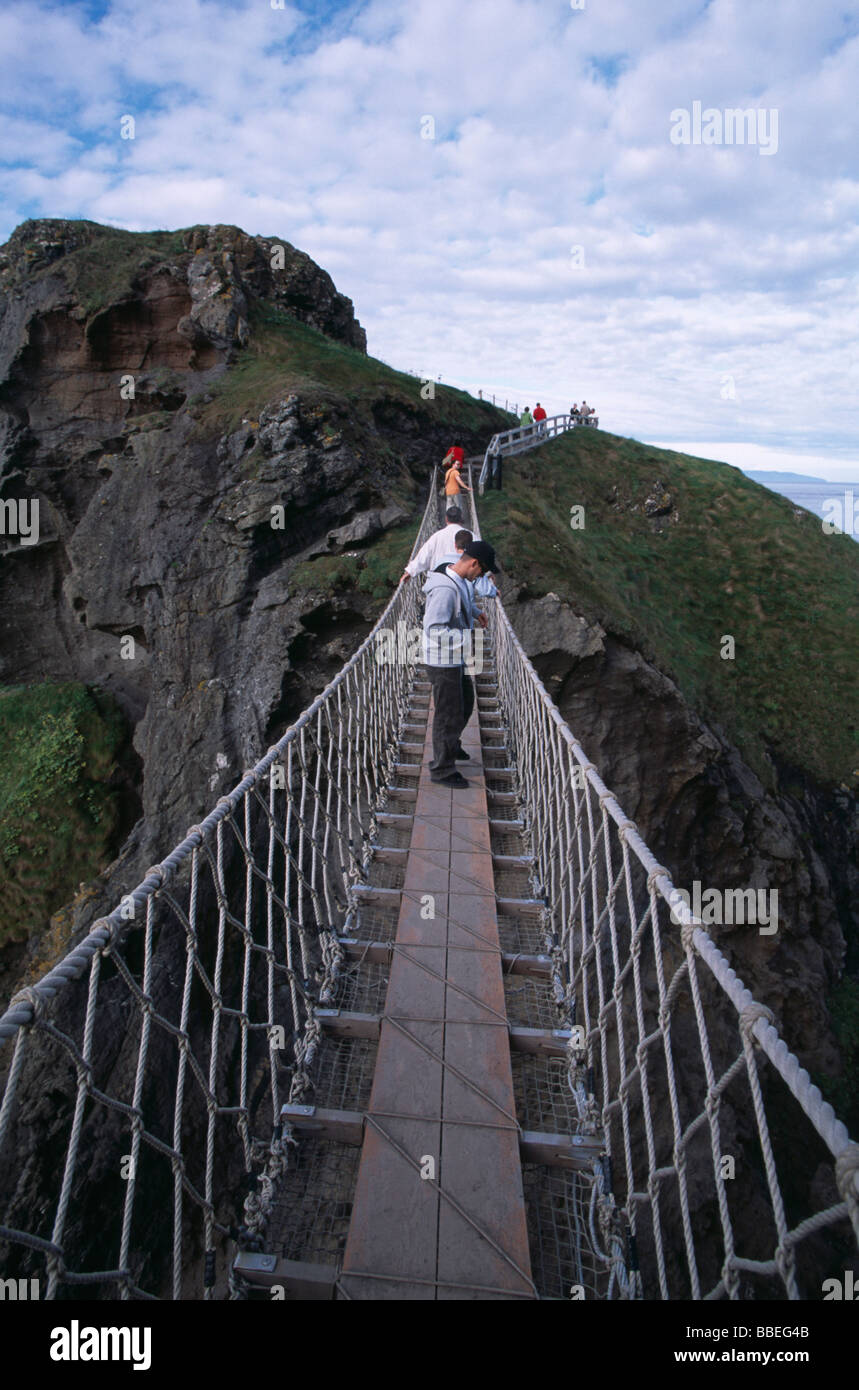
(440, 544)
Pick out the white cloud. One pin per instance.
(552, 130)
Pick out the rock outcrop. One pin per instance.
(165, 400)
(181, 481)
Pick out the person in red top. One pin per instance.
(454, 458)
(539, 417)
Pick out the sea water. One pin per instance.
(837, 502)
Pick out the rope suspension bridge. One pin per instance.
(360, 1036)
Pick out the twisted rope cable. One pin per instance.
(561, 791)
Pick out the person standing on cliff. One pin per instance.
(526, 418)
(539, 417)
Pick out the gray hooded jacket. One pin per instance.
(446, 617)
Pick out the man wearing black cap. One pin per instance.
(446, 618)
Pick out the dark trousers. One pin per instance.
(467, 696)
(453, 698)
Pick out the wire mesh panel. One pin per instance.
(145, 1074)
(310, 1220)
(723, 1173)
(559, 1207)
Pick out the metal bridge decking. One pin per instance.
(439, 1209)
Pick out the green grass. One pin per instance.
(103, 270)
(738, 561)
(57, 813)
(285, 355)
(374, 571)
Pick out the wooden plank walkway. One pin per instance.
(442, 1089)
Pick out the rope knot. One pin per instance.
(731, 1277)
(750, 1015)
(659, 872)
(785, 1262)
(687, 936)
(195, 830)
(29, 995)
(157, 870)
(105, 924)
(847, 1172)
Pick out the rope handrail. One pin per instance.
(104, 931)
(238, 932)
(823, 1117)
(621, 984)
(210, 1017)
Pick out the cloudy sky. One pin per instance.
(541, 198)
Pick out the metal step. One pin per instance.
(575, 1151)
(299, 1281)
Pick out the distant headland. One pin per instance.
(763, 475)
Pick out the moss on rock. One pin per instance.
(58, 810)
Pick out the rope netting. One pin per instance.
(149, 1067)
(724, 1173)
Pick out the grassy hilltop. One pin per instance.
(285, 355)
(729, 558)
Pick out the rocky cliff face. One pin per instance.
(182, 475)
(214, 458)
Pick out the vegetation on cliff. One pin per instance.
(375, 571)
(59, 808)
(284, 355)
(720, 556)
